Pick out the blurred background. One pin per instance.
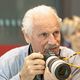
(12, 12)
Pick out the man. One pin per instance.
(41, 29)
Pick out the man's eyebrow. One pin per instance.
(43, 33)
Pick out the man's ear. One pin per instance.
(27, 37)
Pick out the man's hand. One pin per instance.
(48, 75)
(33, 65)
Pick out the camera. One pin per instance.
(59, 68)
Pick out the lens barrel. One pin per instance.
(59, 68)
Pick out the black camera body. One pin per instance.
(59, 68)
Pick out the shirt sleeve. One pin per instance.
(17, 77)
(10, 68)
(12, 62)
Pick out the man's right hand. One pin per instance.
(33, 65)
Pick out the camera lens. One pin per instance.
(63, 71)
(59, 68)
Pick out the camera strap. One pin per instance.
(37, 77)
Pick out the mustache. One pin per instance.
(52, 46)
(49, 47)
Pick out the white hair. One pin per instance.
(28, 18)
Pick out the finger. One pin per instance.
(47, 69)
(37, 72)
(49, 74)
(38, 67)
(38, 62)
(35, 56)
(28, 62)
(35, 64)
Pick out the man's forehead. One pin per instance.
(45, 22)
(48, 29)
